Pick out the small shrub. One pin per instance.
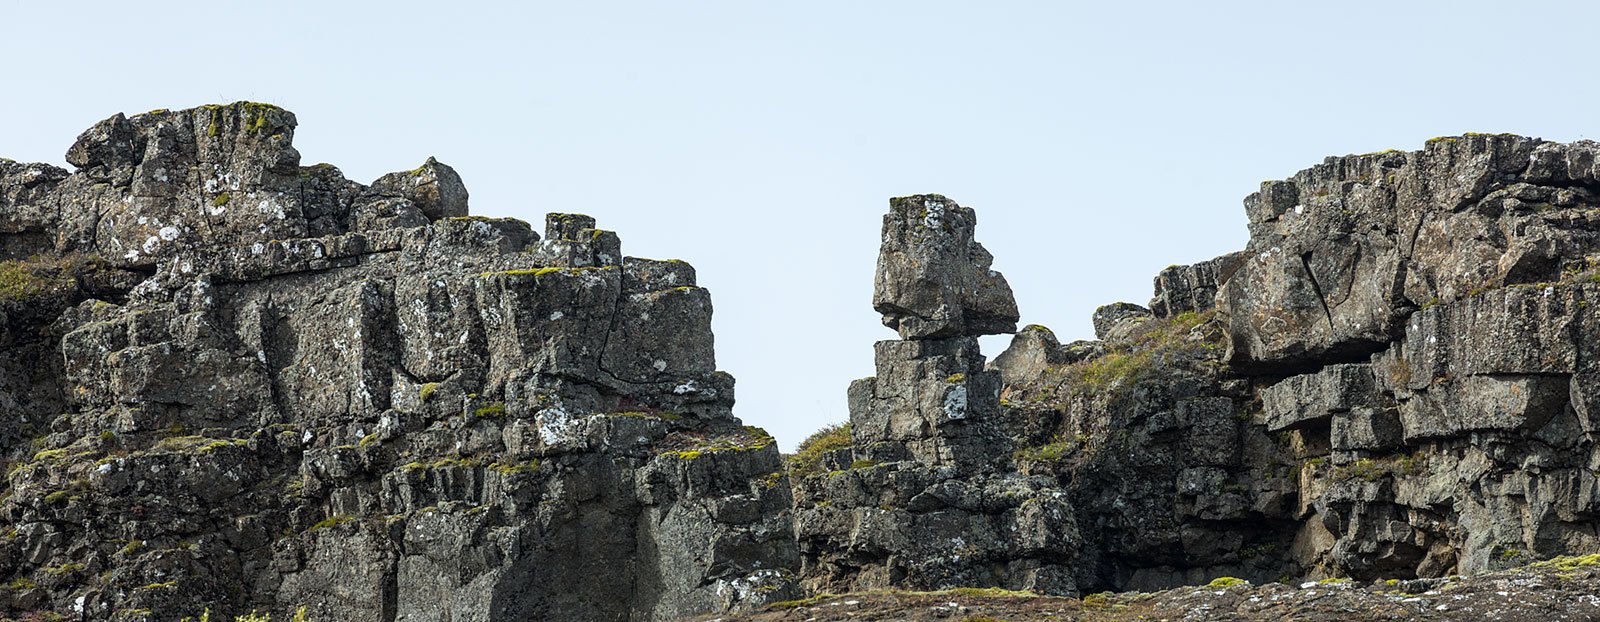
(807, 459)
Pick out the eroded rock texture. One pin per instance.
(230, 381)
(1396, 379)
(921, 497)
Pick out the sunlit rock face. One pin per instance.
(237, 383)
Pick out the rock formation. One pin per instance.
(230, 382)
(919, 499)
(1393, 381)
(236, 383)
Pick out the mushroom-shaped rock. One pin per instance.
(933, 279)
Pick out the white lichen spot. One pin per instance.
(660, 365)
(169, 233)
(933, 213)
(687, 387)
(955, 402)
(258, 248)
(151, 244)
(556, 316)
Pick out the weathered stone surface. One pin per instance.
(1346, 250)
(1306, 398)
(1115, 322)
(1193, 287)
(1397, 380)
(1033, 350)
(277, 388)
(933, 279)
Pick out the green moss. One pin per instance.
(653, 414)
(61, 569)
(748, 438)
(24, 281)
(1569, 562)
(21, 584)
(795, 604)
(58, 497)
(1114, 368)
(990, 592)
(169, 585)
(441, 463)
(955, 378)
(534, 272)
(514, 468)
(332, 521)
(1226, 582)
(221, 199)
(496, 410)
(807, 459)
(197, 444)
(131, 547)
(1372, 470)
(863, 464)
(51, 455)
(368, 440)
(426, 392)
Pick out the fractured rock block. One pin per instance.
(551, 321)
(921, 386)
(1497, 402)
(334, 358)
(933, 278)
(1300, 400)
(1193, 287)
(1366, 429)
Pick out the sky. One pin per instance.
(761, 140)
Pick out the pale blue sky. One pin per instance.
(761, 140)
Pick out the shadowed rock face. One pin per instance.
(234, 382)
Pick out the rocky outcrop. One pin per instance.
(236, 383)
(1393, 381)
(915, 496)
(233, 382)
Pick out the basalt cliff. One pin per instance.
(233, 383)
